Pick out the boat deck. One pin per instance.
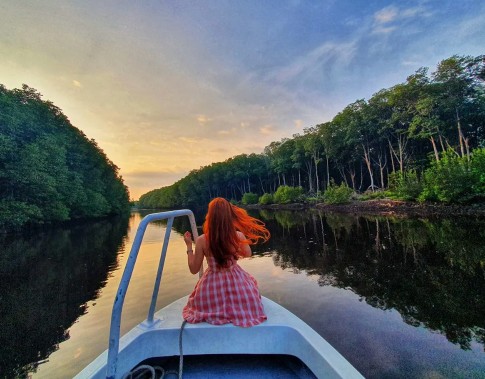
(236, 366)
(283, 335)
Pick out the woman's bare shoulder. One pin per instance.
(201, 239)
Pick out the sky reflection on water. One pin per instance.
(398, 298)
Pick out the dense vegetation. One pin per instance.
(422, 139)
(49, 170)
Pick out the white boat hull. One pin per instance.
(282, 334)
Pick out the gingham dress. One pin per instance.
(225, 295)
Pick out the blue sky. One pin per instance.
(165, 87)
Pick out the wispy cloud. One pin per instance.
(318, 58)
(267, 129)
(227, 132)
(388, 19)
(203, 119)
(189, 140)
(386, 15)
(219, 150)
(298, 124)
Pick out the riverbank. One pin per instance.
(387, 207)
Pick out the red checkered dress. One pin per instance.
(224, 295)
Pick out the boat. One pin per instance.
(283, 346)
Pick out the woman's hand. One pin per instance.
(188, 239)
(194, 259)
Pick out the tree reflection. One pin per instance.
(45, 281)
(431, 271)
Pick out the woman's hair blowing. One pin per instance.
(222, 222)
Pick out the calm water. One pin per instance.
(398, 298)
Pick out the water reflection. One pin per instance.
(431, 272)
(45, 281)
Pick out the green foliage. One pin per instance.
(448, 180)
(405, 186)
(266, 198)
(250, 198)
(369, 195)
(49, 170)
(15, 214)
(337, 194)
(477, 167)
(288, 194)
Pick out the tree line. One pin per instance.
(49, 170)
(404, 138)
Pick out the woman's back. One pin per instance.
(225, 293)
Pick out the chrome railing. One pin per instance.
(114, 333)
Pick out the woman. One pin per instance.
(225, 293)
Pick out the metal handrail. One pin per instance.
(114, 333)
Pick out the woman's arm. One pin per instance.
(194, 258)
(244, 248)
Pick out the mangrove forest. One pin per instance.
(420, 140)
(49, 170)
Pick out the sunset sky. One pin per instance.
(168, 86)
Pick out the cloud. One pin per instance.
(384, 30)
(386, 19)
(227, 132)
(202, 119)
(386, 15)
(327, 53)
(266, 129)
(189, 140)
(298, 124)
(219, 150)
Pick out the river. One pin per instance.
(398, 297)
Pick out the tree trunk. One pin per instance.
(369, 166)
(400, 154)
(361, 178)
(352, 177)
(382, 166)
(460, 134)
(391, 151)
(436, 155)
(341, 170)
(316, 160)
(310, 178)
(442, 144)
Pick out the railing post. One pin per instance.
(114, 333)
(158, 278)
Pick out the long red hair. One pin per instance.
(222, 222)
